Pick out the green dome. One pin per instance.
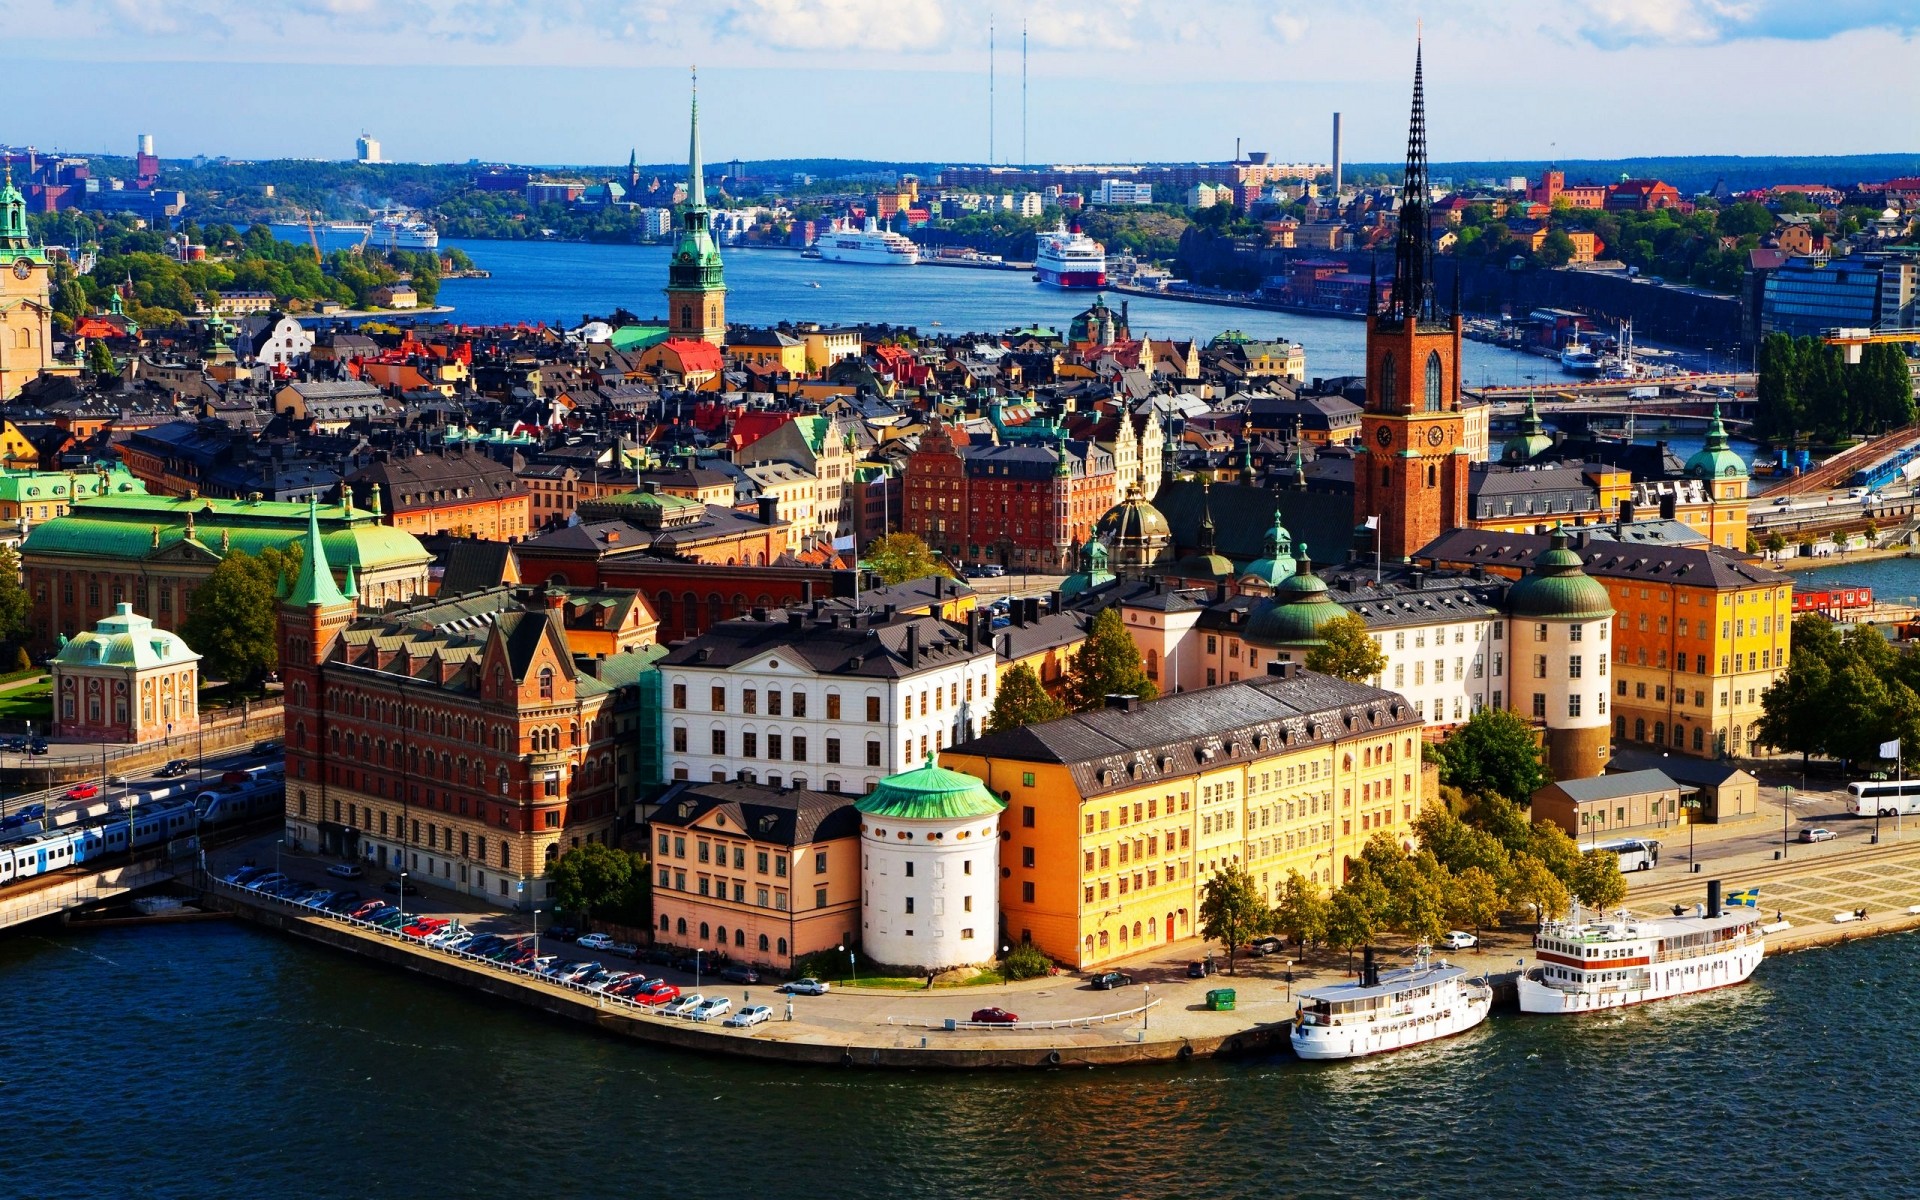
(1293, 615)
(1558, 588)
(125, 639)
(1204, 566)
(1093, 572)
(1278, 566)
(1716, 459)
(930, 793)
(1530, 442)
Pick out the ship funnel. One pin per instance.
(1713, 897)
(1369, 971)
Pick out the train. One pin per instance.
(149, 817)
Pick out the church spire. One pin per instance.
(315, 584)
(696, 181)
(1412, 297)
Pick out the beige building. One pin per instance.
(26, 308)
(126, 681)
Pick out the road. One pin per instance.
(64, 810)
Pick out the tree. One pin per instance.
(1556, 249)
(1598, 881)
(233, 618)
(1475, 899)
(592, 878)
(1776, 543)
(1107, 664)
(1495, 751)
(15, 608)
(1301, 911)
(100, 359)
(1232, 911)
(1536, 886)
(899, 557)
(1025, 961)
(1347, 651)
(1022, 701)
(1351, 915)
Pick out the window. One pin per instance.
(719, 702)
(1026, 816)
(1026, 892)
(1573, 705)
(873, 708)
(1436, 391)
(680, 739)
(1383, 398)
(719, 741)
(1573, 664)
(546, 683)
(679, 695)
(749, 700)
(833, 748)
(749, 745)
(873, 752)
(1540, 632)
(820, 862)
(1540, 706)
(819, 897)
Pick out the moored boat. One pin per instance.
(1389, 1011)
(1590, 965)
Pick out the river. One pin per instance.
(220, 1060)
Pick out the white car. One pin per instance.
(1459, 940)
(685, 1005)
(706, 1010)
(596, 941)
(746, 1018)
(806, 987)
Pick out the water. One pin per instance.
(1894, 580)
(562, 281)
(218, 1060)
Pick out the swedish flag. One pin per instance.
(1747, 896)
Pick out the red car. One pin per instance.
(664, 993)
(425, 926)
(83, 791)
(994, 1016)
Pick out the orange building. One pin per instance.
(448, 491)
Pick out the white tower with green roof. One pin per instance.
(930, 870)
(696, 280)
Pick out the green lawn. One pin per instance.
(34, 703)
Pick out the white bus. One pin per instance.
(1636, 854)
(1885, 798)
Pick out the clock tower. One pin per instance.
(1411, 472)
(26, 308)
(696, 283)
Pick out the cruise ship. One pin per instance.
(1587, 966)
(1391, 1011)
(871, 246)
(402, 231)
(1069, 259)
(1578, 358)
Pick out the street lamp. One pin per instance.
(403, 898)
(536, 935)
(1692, 805)
(696, 969)
(1146, 1007)
(1786, 802)
(853, 974)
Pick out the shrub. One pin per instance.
(1025, 961)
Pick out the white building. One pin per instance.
(1561, 618)
(834, 699)
(1028, 204)
(929, 870)
(1123, 191)
(367, 149)
(656, 222)
(1206, 195)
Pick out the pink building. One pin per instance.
(125, 681)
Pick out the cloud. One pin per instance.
(911, 25)
(1287, 26)
(1614, 24)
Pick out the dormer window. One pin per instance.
(546, 683)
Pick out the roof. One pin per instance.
(833, 645)
(763, 813)
(1681, 566)
(125, 639)
(135, 527)
(1681, 768)
(1109, 749)
(930, 793)
(1609, 787)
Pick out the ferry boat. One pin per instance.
(1587, 966)
(1578, 358)
(403, 231)
(871, 246)
(1069, 259)
(1390, 1011)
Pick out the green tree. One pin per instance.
(1475, 900)
(593, 879)
(1459, 846)
(1022, 701)
(1598, 882)
(1536, 887)
(233, 617)
(1347, 651)
(1776, 543)
(899, 557)
(1556, 249)
(15, 607)
(1232, 911)
(1107, 664)
(1352, 914)
(1025, 961)
(1495, 751)
(1301, 911)
(100, 359)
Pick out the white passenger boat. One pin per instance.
(1389, 1011)
(1590, 965)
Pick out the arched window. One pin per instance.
(546, 683)
(1383, 394)
(1153, 664)
(704, 935)
(1639, 729)
(1433, 475)
(740, 938)
(783, 947)
(763, 943)
(682, 930)
(1436, 391)
(686, 316)
(664, 601)
(1660, 732)
(665, 923)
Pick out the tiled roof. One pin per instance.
(763, 813)
(1691, 566)
(865, 649)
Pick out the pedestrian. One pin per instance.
(789, 1010)
(929, 980)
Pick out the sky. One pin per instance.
(584, 81)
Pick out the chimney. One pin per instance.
(973, 632)
(1032, 605)
(555, 599)
(1369, 971)
(1053, 601)
(887, 613)
(1417, 579)
(1283, 670)
(769, 510)
(1669, 506)
(1336, 155)
(913, 646)
(796, 621)
(1713, 897)
(1124, 703)
(806, 591)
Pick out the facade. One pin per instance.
(1024, 506)
(153, 551)
(447, 491)
(696, 283)
(125, 681)
(1805, 296)
(26, 305)
(29, 497)
(1117, 818)
(1607, 806)
(929, 870)
(1410, 469)
(1561, 619)
(763, 874)
(457, 739)
(837, 700)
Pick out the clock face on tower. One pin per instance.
(1384, 435)
(1436, 435)
(22, 268)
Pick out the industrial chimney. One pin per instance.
(1336, 155)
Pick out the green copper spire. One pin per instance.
(349, 591)
(696, 180)
(315, 585)
(696, 259)
(13, 215)
(1716, 459)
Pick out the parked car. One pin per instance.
(1201, 968)
(626, 948)
(346, 871)
(343, 902)
(561, 933)
(83, 791)
(685, 1005)
(994, 1016)
(1261, 947)
(1817, 835)
(746, 1018)
(173, 770)
(37, 746)
(740, 973)
(1110, 980)
(805, 987)
(715, 1006)
(271, 746)
(1458, 939)
(658, 995)
(400, 887)
(15, 745)
(659, 956)
(596, 941)
(245, 875)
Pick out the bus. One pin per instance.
(1885, 798)
(1635, 854)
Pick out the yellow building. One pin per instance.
(28, 498)
(768, 350)
(1117, 818)
(26, 307)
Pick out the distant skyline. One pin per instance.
(559, 81)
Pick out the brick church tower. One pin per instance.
(1411, 473)
(696, 279)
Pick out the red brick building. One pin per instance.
(1022, 506)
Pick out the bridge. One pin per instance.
(84, 887)
(1745, 380)
(1850, 341)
